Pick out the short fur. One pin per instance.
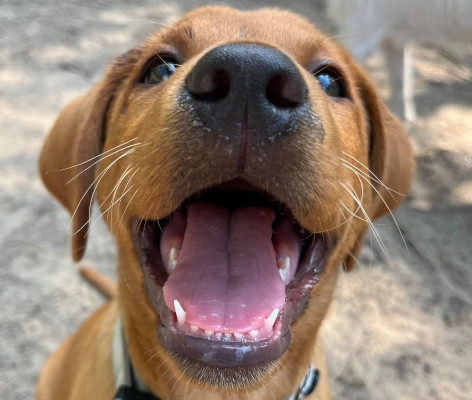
(170, 164)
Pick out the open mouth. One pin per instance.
(228, 273)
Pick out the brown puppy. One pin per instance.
(238, 158)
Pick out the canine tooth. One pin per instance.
(284, 268)
(179, 311)
(238, 335)
(173, 257)
(209, 332)
(194, 328)
(270, 321)
(254, 333)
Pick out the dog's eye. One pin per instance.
(159, 71)
(331, 82)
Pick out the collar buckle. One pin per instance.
(308, 384)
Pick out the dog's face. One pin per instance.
(243, 155)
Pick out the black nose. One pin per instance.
(249, 84)
(247, 69)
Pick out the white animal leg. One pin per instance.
(409, 83)
(395, 63)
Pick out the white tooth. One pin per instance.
(238, 335)
(270, 321)
(209, 332)
(228, 335)
(218, 335)
(194, 328)
(181, 314)
(254, 333)
(173, 257)
(284, 268)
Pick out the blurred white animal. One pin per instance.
(365, 25)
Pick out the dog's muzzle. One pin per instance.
(231, 268)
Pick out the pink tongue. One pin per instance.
(226, 278)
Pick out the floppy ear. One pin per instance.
(73, 145)
(391, 159)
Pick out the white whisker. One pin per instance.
(366, 178)
(391, 214)
(368, 220)
(126, 208)
(375, 176)
(355, 211)
(363, 173)
(102, 158)
(353, 214)
(99, 155)
(115, 190)
(123, 175)
(103, 213)
(95, 183)
(127, 183)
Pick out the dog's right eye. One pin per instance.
(159, 71)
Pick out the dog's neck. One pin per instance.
(130, 387)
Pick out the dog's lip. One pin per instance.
(224, 354)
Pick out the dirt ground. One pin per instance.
(401, 324)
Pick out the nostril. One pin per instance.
(286, 91)
(210, 86)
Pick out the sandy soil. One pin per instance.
(401, 324)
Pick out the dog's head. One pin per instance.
(238, 158)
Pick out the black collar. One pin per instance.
(131, 393)
(130, 387)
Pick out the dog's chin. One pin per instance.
(228, 273)
(235, 379)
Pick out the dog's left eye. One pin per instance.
(331, 82)
(159, 71)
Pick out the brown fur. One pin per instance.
(171, 165)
